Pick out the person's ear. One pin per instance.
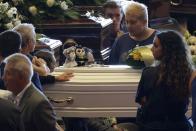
(145, 22)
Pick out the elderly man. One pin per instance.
(36, 110)
(27, 31)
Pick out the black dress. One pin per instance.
(162, 110)
(194, 102)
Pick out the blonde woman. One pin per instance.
(139, 34)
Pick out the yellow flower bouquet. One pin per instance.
(191, 41)
(140, 57)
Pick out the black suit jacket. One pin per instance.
(36, 111)
(2, 65)
(10, 119)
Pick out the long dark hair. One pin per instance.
(175, 64)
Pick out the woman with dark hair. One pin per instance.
(164, 90)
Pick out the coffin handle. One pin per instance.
(68, 100)
(176, 3)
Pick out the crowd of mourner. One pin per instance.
(163, 92)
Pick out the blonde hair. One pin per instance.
(139, 9)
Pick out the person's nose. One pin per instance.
(114, 19)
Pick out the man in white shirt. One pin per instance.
(36, 110)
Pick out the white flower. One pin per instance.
(3, 7)
(9, 16)
(50, 3)
(12, 12)
(9, 25)
(64, 5)
(16, 22)
(33, 10)
(192, 40)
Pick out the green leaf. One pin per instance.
(72, 14)
(69, 2)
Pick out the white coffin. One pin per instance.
(95, 92)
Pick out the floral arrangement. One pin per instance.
(9, 16)
(41, 11)
(140, 57)
(191, 41)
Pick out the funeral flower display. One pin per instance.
(9, 16)
(191, 41)
(42, 11)
(140, 57)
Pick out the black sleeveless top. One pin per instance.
(162, 110)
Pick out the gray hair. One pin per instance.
(27, 31)
(21, 65)
(138, 8)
